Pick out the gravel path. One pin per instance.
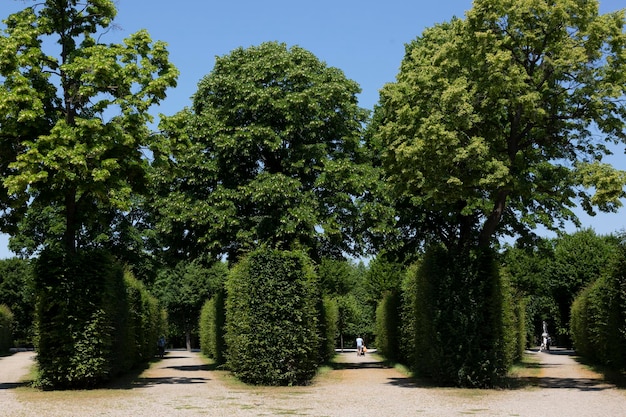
(183, 385)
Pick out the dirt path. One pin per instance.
(183, 385)
(559, 369)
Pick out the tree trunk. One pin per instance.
(491, 224)
(188, 340)
(69, 236)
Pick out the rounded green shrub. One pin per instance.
(272, 318)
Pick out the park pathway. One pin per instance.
(183, 385)
(559, 369)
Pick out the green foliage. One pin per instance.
(272, 318)
(79, 298)
(598, 324)
(93, 321)
(270, 153)
(477, 135)
(388, 325)
(352, 319)
(16, 291)
(337, 277)
(463, 324)
(6, 328)
(73, 120)
(552, 272)
(145, 322)
(382, 276)
(212, 327)
(328, 327)
(579, 259)
(409, 314)
(184, 289)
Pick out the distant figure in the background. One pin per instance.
(545, 338)
(359, 346)
(161, 346)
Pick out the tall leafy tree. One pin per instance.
(579, 260)
(73, 120)
(269, 153)
(498, 122)
(183, 290)
(17, 293)
(554, 272)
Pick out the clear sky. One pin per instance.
(363, 38)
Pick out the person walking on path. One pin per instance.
(359, 346)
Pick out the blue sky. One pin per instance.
(363, 38)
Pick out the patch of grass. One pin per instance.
(524, 373)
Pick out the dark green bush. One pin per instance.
(580, 326)
(271, 318)
(16, 291)
(329, 317)
(388, 325)
(519, 303)
(464, 332)
(6, 325)
(598, 319)
(144, 325)
(80, 297)
(408, 315)
(212, 322)
(92, 322)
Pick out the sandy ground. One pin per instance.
(182, 384)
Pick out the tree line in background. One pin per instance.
(243, 208)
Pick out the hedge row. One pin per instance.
(388, 325)
(212, 322)
(455, 321)
(6, 333)
(272, 332)
(328, 327)
(598, 319)
(93, 320)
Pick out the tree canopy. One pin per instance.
(73, 120)
(498, 122)
(270, 152)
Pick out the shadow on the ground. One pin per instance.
(135, 379)
(582, 384)
(362, 364)
(150, 381)
(510, 382)
(614, 376)
(13, 385)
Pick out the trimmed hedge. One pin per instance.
(6, 333)
(92, 322)
(212, 323)
(388, 325)
(464, 330)
(145, 323)
(328, 327)
(598, 319)
(272, 318)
